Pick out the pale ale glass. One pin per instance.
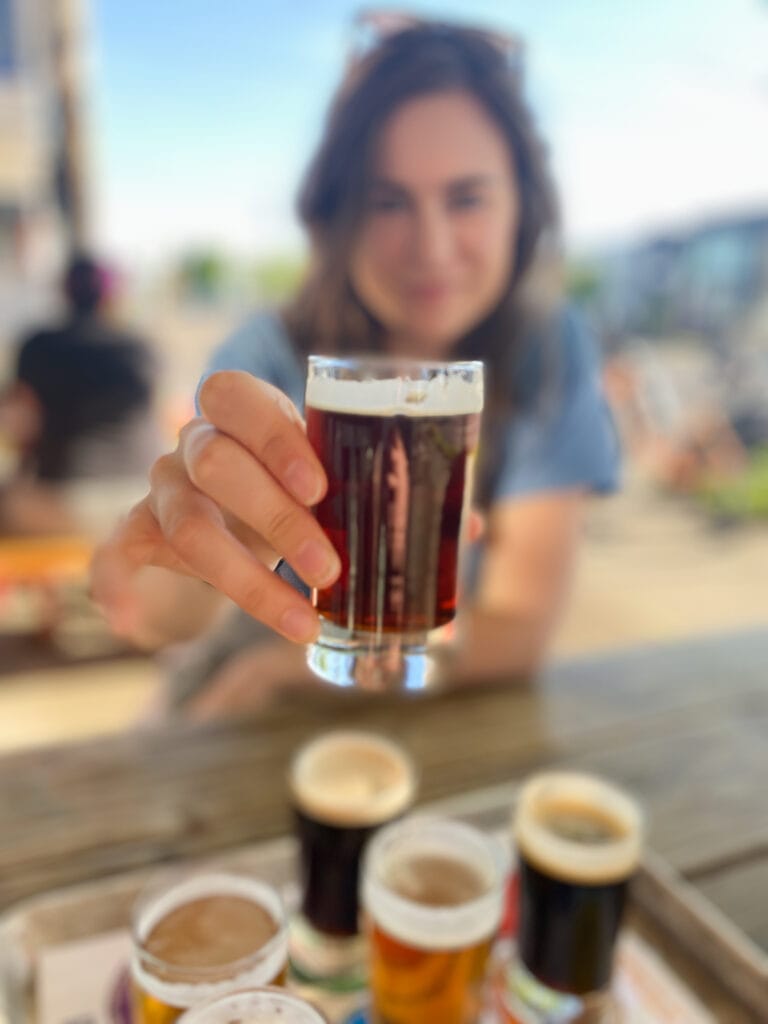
(256, 1006)
(433, 891)
(201, 936)
(397, 440)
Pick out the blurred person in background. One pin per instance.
(79, 413)
(432, 223)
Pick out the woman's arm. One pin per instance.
(529, 557)
(523, 583)
(165, 608)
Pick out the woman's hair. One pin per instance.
(426, 58)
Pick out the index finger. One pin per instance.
(268, 424)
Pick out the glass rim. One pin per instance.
(586, 789)
(185, 973)
(382, 740)
(274, 993)
(383, 361)
(411, 826)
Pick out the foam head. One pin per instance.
(434, 884)
(578, 828)
(260, 1006)
(353, 779)
(377, 387)
(195, 939)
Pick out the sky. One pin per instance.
(204, 112)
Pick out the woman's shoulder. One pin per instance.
(262, 346)
(261, 339)
(558, 352)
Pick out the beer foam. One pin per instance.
(562, 795)
(257, 969)
(265, 1006)
(444, 394)
(352, 778)
(429, 927)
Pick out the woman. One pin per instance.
(427, 204)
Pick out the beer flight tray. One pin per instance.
(64, 954)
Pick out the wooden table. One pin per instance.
(685, 727)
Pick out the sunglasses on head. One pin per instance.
(373, 26)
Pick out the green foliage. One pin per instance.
(278, 277)
(583, 281)
(203, 273)
(742, 498)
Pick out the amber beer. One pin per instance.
(433, 892)
(202, 936)
(579, 841)
(397, 443)
(256, 1006)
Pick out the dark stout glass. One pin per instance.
(393, 512)
(345, 785)
(578, 842)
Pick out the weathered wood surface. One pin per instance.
(685, 727)
(705, 951)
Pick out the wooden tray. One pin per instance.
(712, 960)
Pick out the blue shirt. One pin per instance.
(559, 434)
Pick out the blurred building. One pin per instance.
(43, 172)
(708, 280)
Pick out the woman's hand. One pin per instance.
(230, 502)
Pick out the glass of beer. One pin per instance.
(397, 440)
(579, 840)
(433, 891)
(259, 1006)
(201, 936)
(344, 785)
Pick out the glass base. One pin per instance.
(373, 661)
(526, 1000)
(327, 962)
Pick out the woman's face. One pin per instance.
(435, 250)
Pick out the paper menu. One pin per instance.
(85, 982)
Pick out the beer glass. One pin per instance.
(201, 936)
(579, 841)
(344, 785)
(397, 440)
(255, 1006)
(433, 891)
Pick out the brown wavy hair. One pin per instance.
(326, 315)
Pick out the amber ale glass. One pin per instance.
(433, 894)
(201, 936)
(397, 440)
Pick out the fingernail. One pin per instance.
(303, 481)
(316, 563)
(300, 624)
